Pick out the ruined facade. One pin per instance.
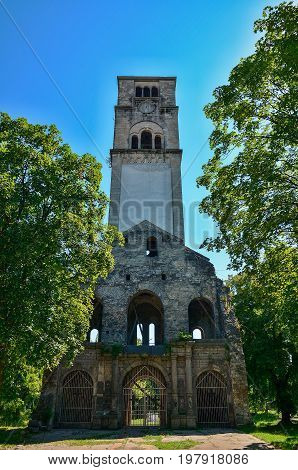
(163, 347)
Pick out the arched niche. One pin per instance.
(201, 317)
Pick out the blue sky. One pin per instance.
(59, 62)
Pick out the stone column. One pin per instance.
(178, 223)
(174, 385)
(191, 421)
(116, 389)
(115, 191)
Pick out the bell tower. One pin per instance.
(146, 158)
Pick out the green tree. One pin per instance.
(53, 248)
(252, 181)
(265, 303)
(252, 175)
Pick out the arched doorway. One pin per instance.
(212, 399)
(145, 309)
(77, 393)
(144, 396)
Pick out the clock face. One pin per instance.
(147, 107)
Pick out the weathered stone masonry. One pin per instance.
(157, 280)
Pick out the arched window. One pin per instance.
(94, 336)
(146, 91)
(157, 142)
(138, 91)
(134, 142)
(146, 140)
(154, 91)
(151, 247)
(151, 334)
(197, 333)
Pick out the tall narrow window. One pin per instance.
(154, 91)
(139, 335)
(138, 91)
(146, 91)
(151, 334)
(157, 142)
(134, 142)
(151, 247)
(146, 140)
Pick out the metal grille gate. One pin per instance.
(77, 393)
(144, 394)
(212, 399)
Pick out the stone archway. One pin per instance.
(145, 397)
(77, 397)
(145, 309)
(212, 399)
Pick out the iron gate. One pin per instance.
(144, 395)
(212, 399)
(77, 393)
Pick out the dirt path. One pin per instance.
(75, 439)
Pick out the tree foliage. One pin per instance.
(252, 181)
(53, 248)
(252, 175)
(265, 304)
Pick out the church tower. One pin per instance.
(163, 348)
(146, 157)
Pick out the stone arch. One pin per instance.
(148, 362)
(201, 315)
(144, 308)
(154, 128)
(212, 398)
(144, 396)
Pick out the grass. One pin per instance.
(10, 436)
(267, 427)
(89, 442)
(158, 442)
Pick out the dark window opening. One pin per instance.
(154, 91)
(134, 142)
(157, 142)
(163, 276)
(151, 247)
(128, 277)
(146, 140)
(138, 91)
(146, 91)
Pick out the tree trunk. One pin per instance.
(285, 417)
(284, 399)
